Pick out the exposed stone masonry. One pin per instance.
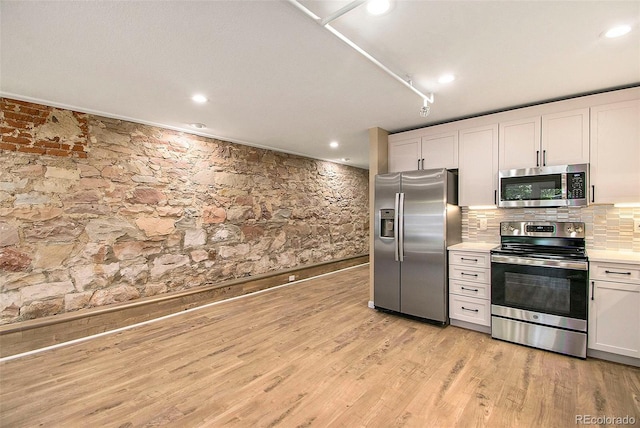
(142, 211)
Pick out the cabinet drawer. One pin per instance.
(470, 309)
(470, 259)
(470, 273)
(617, 272)
(470, 289)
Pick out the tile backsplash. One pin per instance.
(607, 227)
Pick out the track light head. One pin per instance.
(425, 109)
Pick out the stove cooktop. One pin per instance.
(542, 240)
(543, 253)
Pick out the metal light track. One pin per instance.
(325, 24)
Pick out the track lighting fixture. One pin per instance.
(428, 98)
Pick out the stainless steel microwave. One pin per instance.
(549, 186)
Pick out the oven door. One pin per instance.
(552, 292)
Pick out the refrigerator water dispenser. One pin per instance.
(386, 223)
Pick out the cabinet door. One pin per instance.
(615, 153)
(404, 155)
(519, 144)
(440, 151)
(614, 318)
(478, 172)
(565, 137)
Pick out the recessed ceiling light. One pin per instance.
(198, 125)
(333, 144)
(446, 78)
(199, 98)
(617, 31)
(378, 7)
(345, 159)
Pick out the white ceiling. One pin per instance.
(276, 79)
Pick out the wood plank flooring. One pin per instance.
(308, 355)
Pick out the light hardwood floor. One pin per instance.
(311, 354)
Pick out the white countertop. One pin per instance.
(482, 247)
(613, 256)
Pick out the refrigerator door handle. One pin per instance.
(395, 228)
(401, 227)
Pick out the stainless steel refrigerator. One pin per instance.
(416, 218)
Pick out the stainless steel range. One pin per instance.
(539, 286)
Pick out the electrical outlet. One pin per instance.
(636, 225)
(292, 278)
(482, 224)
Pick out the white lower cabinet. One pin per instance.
(470, 289)
(614, 308)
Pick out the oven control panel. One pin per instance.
(539, 228)
(560, 229)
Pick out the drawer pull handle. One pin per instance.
(617, 273)
(470, 310)
(471, 260)
(471, 289)
(469, 274)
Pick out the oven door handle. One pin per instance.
(528, 261)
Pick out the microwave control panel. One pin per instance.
(576, 185)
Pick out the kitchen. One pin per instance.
(129, 211)
(481, 149)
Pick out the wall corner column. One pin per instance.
(378, 164)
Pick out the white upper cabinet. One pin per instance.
(615, 153)
(440, 151)
(478, 173)
(519, 144)
(404, 155)
(426, 151)
(602, 130)
(565, 137)
(550, 139)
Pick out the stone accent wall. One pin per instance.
(606, 227)
(143, 211)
